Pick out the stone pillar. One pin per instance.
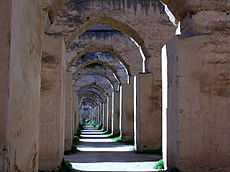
(198, 118)
(105, 115)
(95, 113)
(127, 117)
(52, 109)
(116, 117)
(121, 109)
(20, 64)
(101, 113)
(147, 136)
(76, 117)
(74, 111)
(109, 113)
(68, 111)
(113, 114)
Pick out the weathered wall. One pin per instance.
(68, 111)
(203, 97)
(127, 117)
(52, 110)
(109, 113)
(5, 12)
(20, 49)
(105, 116)
(76, 109)
(116, 119)
(147, 127)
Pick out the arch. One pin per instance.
(98, 75)
(94, 85)
(92, 79)
(86, 91)
(98, 48)
(93, 90)
(110, 22)
(90, 94)
(119, 42)
(114, 83)
(104, 64)
(109, 73)
(88, 100)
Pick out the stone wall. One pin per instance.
(52, 110)
(201, 65)
(20, 47)
(5, 12)
(69, 114)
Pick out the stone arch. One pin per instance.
(110, 22)
(104, 83)
(129, 17)
(115, 84)
(106, 65)
(107, 71)
(103, 97)
(97, 87)
(90, 94)
(129, 54)
(95, 48)
(87, 100)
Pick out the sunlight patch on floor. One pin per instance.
(115, 166)
(94, 136)
(93, 132)
(97, 140)
(125, 148)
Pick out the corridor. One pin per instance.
(154, 73)
(101, 152)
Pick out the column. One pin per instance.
(101, 113)
(20, 64)
(52, 109)
(147, 135)
(198, 97)
(109, 113)
(113, 113)
(68, 111)
(127, 117)
(77, 112)
(116, 117)
(105, 115)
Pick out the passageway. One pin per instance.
(154, 73)
(99, 151)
